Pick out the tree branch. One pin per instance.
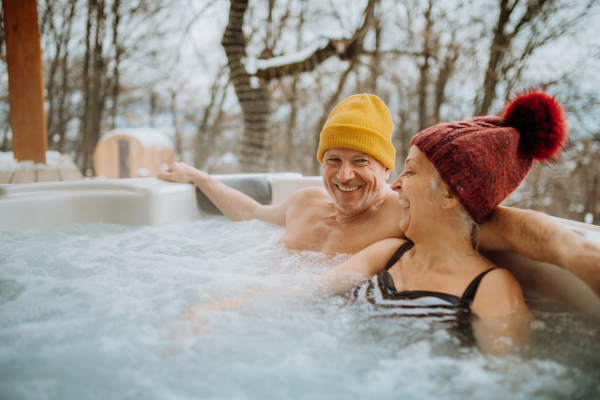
(345, 49)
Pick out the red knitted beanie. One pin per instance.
(484, 160)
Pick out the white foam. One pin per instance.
(95, 311)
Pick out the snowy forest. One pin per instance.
(246, 86)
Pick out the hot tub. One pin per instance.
(153, 202)
(95, 276)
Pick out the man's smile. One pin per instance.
(347, 189)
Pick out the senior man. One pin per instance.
(357, 209)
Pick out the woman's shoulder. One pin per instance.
(371, 260)
(499, 293)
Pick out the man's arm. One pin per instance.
(233, 204)
(537, 236)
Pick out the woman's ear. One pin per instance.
(450, 199)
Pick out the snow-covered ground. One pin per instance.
(53, 160)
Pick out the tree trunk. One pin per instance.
(50, 89)
(57, 87)
(115, 75)
(5, 146)
(291, 126)
(153, 106)
(96, 103)
(253, 100)
(178, 138)
(81, 158)
(403, 136)
(64, 119)
(500, 44)
(375, 63)
(442, 80)
(207, 132)
(424, 70)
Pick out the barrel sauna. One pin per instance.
(132, 153)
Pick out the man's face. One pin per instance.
(354, 180)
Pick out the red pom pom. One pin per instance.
(541, 121)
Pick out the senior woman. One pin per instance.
(455, 175)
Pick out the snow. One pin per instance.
(8, 162)
(289, 58)
(250, 65)
(148, 137)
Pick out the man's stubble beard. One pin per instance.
(366, 199)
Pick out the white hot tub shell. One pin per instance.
(138, 201)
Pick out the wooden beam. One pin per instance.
(25, 80)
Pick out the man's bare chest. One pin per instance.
(327, 236)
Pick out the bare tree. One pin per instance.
(58, 88)
(537, 19)
(212, 116)
(254, 98)
(569, 189)
(93, 74)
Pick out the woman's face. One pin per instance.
(419, 205)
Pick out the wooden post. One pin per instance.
(25, 80)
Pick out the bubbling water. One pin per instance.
(95, 311)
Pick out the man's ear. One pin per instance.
(387, 173)
(450, 199)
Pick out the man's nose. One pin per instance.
(346, 173)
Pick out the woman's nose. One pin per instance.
(397, 183)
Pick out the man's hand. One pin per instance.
(584, 261)
(539, 237)
(182, 173)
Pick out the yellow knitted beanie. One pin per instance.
(361, 122)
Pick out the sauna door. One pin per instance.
(124, 159)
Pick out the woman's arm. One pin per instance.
(539, 237)
(362, 265)
(503, 323)
(340, 279)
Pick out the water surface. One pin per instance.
(95, 312)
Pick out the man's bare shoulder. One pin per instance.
(307, 194)
(305, 200)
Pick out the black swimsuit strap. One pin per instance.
(469, 295)
(401, 250)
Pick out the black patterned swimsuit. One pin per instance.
(381, 291)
